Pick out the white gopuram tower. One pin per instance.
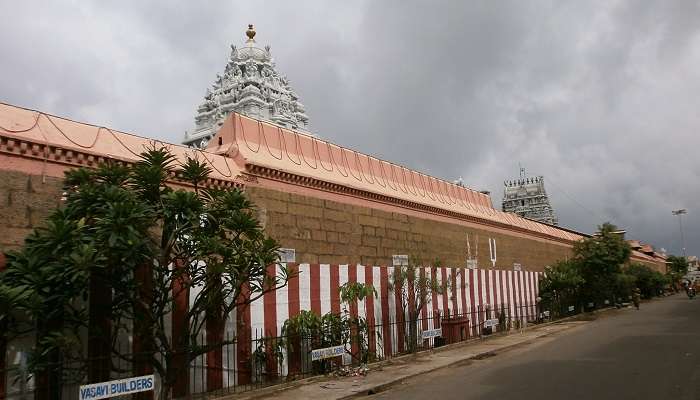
(250, 86)
(527, 198)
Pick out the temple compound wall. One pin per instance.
(320, 230)
(328, 203)
(344, 213)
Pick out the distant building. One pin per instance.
(250, 86)
(658, 256)
(527, 198)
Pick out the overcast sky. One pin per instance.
(602, 98)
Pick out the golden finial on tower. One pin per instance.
(250, 33)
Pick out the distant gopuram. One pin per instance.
(250, 86)
(527, 198)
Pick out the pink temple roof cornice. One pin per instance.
(55, 139)
(256, 145)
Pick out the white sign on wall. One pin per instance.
(120, 387)
(287, 255)
(517, 267)
(328, 352)
(490, 322)
(399, 260)
(431, 333)
(471, 264)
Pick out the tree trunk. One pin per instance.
(168, 382)
(295, 351)
(3, 355)
(243, 337)
(48, 377)
(413, 331)
(142, 344)
(215, 335)
(180, 358)
(100, 327)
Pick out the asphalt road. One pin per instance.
(653, 353)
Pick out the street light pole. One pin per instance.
(680, 213)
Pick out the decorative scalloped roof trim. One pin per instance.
(72, 158)
(36, 135)
(364, 169)
(259, 144)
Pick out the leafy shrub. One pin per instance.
(649, 281)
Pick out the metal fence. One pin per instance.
(272, 360)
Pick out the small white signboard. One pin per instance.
(490, 322)
(287, 255)
(118, 387)
(328, 352)
(546, 314)
(431, 333)
(471, 263)
(517, 267)
(572, 308)
(399, 260)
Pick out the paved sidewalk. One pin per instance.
(401, 368)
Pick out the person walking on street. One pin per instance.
(636, 295)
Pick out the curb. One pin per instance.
(478, 356)
(271, 390)
(267, 391)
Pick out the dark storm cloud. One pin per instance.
(601, 98)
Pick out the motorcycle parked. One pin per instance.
(690, 292)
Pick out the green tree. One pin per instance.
(52, 272)
(416, 289)
(649, 281)
(124, 248)
(13, 319)
(677, 264)
(14, 302)
(624, 285)
(307, 330)
(561, 286)
(599, 259)
(356, 327)
(593, 274)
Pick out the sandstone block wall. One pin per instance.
(656, 266)
(321, 231)
(333, 232)
(25, 202)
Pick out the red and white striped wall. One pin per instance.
(315, 287)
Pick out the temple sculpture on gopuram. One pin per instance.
(251, 86)
(527, 198)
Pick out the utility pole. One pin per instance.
(680, 213)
